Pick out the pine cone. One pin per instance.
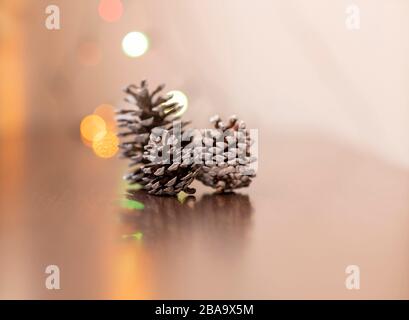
(143, 112)
(167, 169)
(226, 156)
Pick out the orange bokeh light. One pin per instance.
(105, 145)
(99, 131)
(110, 10)
(91, 126)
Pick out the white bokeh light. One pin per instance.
(135, 44)
(180, 98)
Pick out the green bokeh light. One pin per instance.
(131, 204)
(136, 235)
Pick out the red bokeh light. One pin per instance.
(110, 10)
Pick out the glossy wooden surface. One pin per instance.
(316, 207)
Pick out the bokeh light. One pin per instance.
(92, 126)
(107, 112)
(131, 204)
(89, 53)
(110, 10)
(98, 131)
(180, 98)
(136, 236)
(135, 44)
(182, 196)
(105, 145)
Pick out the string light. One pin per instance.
(180, 98)
(110, 10)
(135, 44)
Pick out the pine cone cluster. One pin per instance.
(227, 156)
(164, 157)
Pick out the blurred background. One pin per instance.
(281, 65)
(331, 106)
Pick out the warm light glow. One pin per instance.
(110, 10)
(180, 98)
(131, 273)
(91, 126)
(105, 146)
(13, 84)
(98, 131)
(135, 44)
(107, 112)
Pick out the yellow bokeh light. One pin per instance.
(105, 145)
(91, 126)
(107, 112)
(135, 44)
(180, 98)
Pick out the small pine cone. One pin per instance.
(226, 156)
(143, 112)
(167, 169)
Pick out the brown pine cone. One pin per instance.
(226, 156)
(166, 169)
(144, 111)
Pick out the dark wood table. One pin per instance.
(317, 206)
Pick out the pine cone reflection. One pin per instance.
(215, 217)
